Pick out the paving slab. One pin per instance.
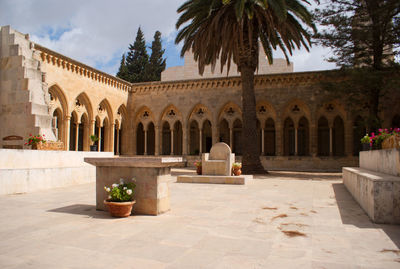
(280, 220)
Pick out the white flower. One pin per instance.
(109, 196)
(108, 189)
(115, 185)
(129, 192)
(121, 181)
(125, 188)
(133, 179)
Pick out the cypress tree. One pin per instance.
(157, 62)
(123, 70)
(137, 59)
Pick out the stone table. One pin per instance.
(152, 175)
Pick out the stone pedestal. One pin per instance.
(152, 175)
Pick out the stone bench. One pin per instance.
(377, 193)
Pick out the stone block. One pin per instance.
(377, 193)
(234, 180)
(385, 161)
(219, 161)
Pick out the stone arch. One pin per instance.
(230, 112)
(105, 113)
(296, 109)
(59, 110)
(144, 123)
(145, 116)
(171, 139)
(121, 130)
(200, 113)
(81, 103)
(171, 114)
(303, 137)
(264, 111)
(330, 110)
(58, 99)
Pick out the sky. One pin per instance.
(98, 32)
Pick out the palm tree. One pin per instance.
(228, 30)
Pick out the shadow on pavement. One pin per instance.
(80, 209)
(351, 213)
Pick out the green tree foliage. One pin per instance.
(138, 66)
(364, 37)
(137, 59)
(123, 70)
(157, 62)
(230, 30)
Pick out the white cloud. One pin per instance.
(97, 32)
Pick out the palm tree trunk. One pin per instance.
(251, 160)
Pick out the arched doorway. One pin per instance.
(140, 139)
(194, 138)
(269, 137)
(178, 138)
(288, 137)
(166, 139)
(338, 137)
(323, 137)
(303, 137)
(151, 136)
(224, 134)
(237, 137)
(73, 132)
(206, 137)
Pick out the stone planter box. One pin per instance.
(49, 145)
(152, 175)
(375, 185)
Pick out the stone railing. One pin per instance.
(57, 59)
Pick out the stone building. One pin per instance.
(42, 91)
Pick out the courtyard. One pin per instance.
(280, 220)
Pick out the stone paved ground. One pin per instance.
(209, 226)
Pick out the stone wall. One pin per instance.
(33, 170)
(190, 69)
(23, 96)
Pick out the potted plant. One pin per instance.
(35, 141)
(198, 167)
(94, 139)
(120, 198)
(236, 169)
(366, 142)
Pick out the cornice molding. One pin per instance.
(261, 81)
(64, 62)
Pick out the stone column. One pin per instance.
(67, 122)
(184, 139)
(117, 149)
(330, 141)
(262, 142)
(278, 139)
(100, 138)
(200, 141)
(295, 141)
(215, 134)
(157, 140)
(172, 141)
(111, 138)
(76, 136)
(231, 137)
(145, 142)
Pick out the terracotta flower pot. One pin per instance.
(120, 209)
(237, 171)
(199, 170)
